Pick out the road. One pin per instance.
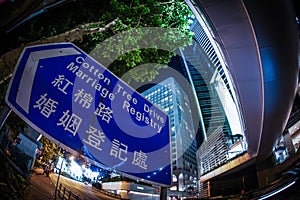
(85, 192)
(43, 188)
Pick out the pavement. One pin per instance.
(41, 186)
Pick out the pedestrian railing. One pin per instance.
(65, 193)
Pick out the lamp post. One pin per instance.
(59, 172)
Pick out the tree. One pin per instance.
(49, 149)
(89, 24)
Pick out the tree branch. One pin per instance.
(138, 23)
(97, 30)
(9, 59)
(5, 78)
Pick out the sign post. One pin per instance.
(72, 99)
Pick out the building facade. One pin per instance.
(245, 95)
(221, 124)
(170, 97)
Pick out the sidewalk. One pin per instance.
(41, 186)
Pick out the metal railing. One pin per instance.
(65, 193)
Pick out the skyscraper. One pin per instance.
(172, 99)
(243, 70)
(220, 121)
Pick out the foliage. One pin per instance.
(16, 185)
(3, 89)
(49, 149)
(60, 19)
(20, 158)
(38, 163)
(16, 123)
(13, 120)
(133, 15)
(129, 15)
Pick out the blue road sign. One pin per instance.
(68, 96)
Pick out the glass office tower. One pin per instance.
(221, 124)
(243, 93)
(170, 97)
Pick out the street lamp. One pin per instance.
(59, 172)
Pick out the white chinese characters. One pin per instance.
(104, 112)
(84, 99)
(72, 109)
(70, 122)
(46, 105)
(61, 83)
(95, 137)
(118, 150)
(139, 159)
